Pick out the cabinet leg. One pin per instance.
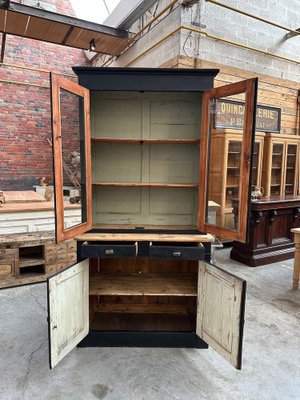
(296, 262)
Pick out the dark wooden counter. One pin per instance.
(270, 237)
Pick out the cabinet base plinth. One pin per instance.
(255, 259)
(143, 339)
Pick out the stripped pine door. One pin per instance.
(220, 311)
(68, 310)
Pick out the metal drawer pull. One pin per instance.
(176, 253)
(109, 252)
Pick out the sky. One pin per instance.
(93, 10)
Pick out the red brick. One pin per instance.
(25, 115)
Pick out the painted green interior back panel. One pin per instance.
(116, 115)
(117, 162)
(175, 118)
(174, 163)
(145, 116)
(144, 206)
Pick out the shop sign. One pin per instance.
(230, 114)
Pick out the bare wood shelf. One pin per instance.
(121, 284)
(134, 308)
(146, 237)
(141, 140)
(146, 184)
(30, 261)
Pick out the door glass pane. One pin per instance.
(224, 164)
(277, 159)
(290, 168)
(255, 164)
(73, 158)
(233, 172)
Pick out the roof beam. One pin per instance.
(44, 25)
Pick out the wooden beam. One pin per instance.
(3, 48)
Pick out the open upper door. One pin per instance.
(232, 183)
(68, 310)
(72, 157)
(220, 311)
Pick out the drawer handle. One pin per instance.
(176, 253)
(109, 252)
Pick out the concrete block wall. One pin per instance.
(25, 117)
(160, 54)
(230, 25)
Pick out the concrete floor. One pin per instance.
(271, 362)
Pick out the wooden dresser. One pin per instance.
(270, 238)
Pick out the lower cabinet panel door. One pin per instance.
(220, 311)
(68, 310)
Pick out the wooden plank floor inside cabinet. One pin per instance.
(149, 284)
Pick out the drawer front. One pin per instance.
(8, 254)
(109, 250)
(171, 252)
(6, 270)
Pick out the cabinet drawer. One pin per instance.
(177, 251)
(6, 270)
(109, 249)
(8, 254)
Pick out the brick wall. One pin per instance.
(25, 118)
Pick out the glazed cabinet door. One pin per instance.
(220, 311)
(72, 157)
(68, 310)
(238, 99)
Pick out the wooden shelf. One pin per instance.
(120, 284)
(30, 261)
(147, 141)
(146, 184)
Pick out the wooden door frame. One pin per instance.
(249, 87)
(57, 83)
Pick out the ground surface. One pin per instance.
(271, 362)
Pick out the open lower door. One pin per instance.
(220, 311)
(70, 105)
(226, 164)
(68, 310)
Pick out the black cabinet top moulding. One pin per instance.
(146, 79)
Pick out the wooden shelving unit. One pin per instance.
(281, 165)
(146, 166)
(224, 187)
